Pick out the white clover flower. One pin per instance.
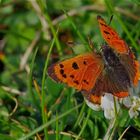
(95, 107)
(127, 101)
(133, 112)
(107, 104)
(135, 107)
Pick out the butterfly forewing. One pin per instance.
(112, 37)
(79, 72)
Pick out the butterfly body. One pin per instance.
(114, 70)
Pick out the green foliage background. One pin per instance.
(33, 35)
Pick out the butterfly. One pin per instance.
(114, 70)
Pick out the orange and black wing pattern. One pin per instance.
(80, 72)
(112, 37)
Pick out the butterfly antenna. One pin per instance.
(90, 42)
(111, 18)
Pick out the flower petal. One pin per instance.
(107, 104)
(95, 107)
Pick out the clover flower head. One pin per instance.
(95, 107)
(111, 105)
(135, 107)
(107, 104)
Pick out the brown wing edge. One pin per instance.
(137, 73)
(132, 67)
(51, 73)
(100, 18)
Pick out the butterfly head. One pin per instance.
(107, 51)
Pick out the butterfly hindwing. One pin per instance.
(110, 84)
(114, 78)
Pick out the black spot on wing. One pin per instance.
(64, 75)
(61, 65)
(61, 71)
(76, 82)
(72, 76)
(106, 32)
(84, 62)
(75, 65)
(103, 24)
(86, 82)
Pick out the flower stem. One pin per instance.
(109, 133)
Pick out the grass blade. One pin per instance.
(48, 123)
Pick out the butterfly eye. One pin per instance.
(75, 65)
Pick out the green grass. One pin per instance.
(32, 105)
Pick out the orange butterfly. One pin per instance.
(114, 70)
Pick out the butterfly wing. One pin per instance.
(132, 67)
(114, 79)
(126, 56)
(107, 83)
(80, 72)
(112, 37)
